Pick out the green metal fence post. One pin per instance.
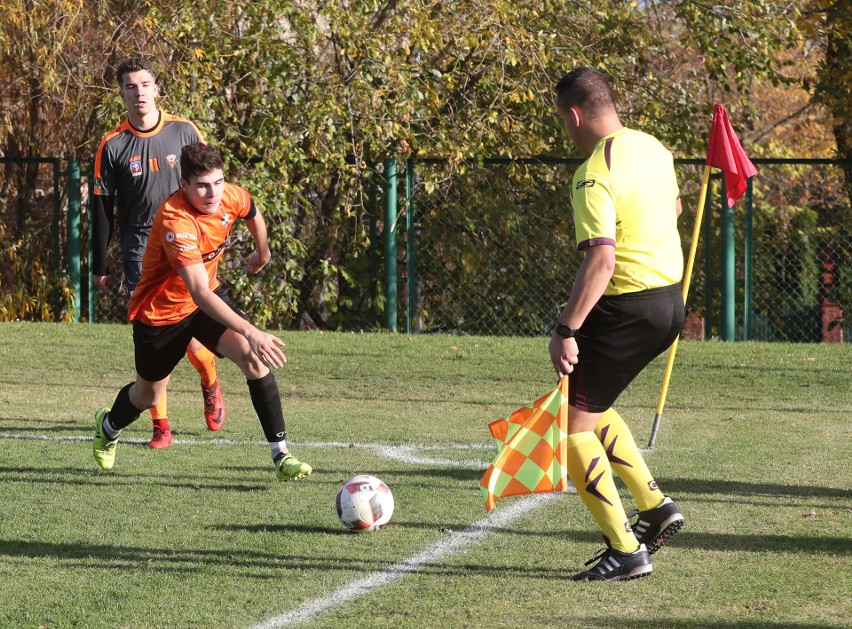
(91, 289)
(748, 267)
(74, 233)
(728, 270)
(708, 263)
(390, 245)
(409, 245)
(374, 254)
(57, 257)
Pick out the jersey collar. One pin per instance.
(147, 133)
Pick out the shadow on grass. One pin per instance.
(34, 426)
(682, 623)
(90, 477)
(677, 486)
(731, 542)
(718, 542)
(339, 476)
(259, 565)
(266, 565)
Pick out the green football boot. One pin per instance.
(288, 467)
(103, 448)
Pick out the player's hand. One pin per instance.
(564, 353)
(102, 282)
(254, 263)
(267, 347)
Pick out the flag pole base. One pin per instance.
(655, 429)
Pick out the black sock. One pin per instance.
(123, 413)
(267, 404)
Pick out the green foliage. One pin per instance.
(27, 288)
(509, 261)
(306, 99)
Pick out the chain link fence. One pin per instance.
(484, 247)
(495, 250)
(33, 231)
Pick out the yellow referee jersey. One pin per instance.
(625, 196)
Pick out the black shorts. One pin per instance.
(621, 335)
(158, 349)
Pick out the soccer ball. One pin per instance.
(364, 503)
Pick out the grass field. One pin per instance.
(754, 446)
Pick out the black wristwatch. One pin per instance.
(566, 332)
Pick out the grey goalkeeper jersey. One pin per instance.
(140, 169)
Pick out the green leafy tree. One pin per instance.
(306, 99)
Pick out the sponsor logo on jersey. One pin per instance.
(207, 257)
(170, 236)
(171, 160)
(98, 186)
(183, 248)
(586, 183)
(136, 165)
(226, 218)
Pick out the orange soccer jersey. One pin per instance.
(182, 236)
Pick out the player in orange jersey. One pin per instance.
(136, 169)
(179, 298)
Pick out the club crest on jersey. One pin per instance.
(136, 165)
(586, 183)
(171, 160)
(226, 218)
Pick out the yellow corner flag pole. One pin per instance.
(699, 214)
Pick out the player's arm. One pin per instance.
(103, 224)
(592, 278)
(261, 254)
(262, 343)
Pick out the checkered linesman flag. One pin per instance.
(531, 450)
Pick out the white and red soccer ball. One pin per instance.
(364, 503)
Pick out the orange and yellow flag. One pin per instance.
(531, 450)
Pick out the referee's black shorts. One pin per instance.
(158, 349)
(621, 335)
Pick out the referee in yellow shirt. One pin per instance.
(625, 308)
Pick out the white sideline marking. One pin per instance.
(399, 453)
(403, 454)
(440, 549)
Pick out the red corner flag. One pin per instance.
(725, 152)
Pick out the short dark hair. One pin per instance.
(133, 64)
(199, 159)
(586, 88)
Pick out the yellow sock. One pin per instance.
(627, 461)
(591, 474)
(161, 410)
(204, 362)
